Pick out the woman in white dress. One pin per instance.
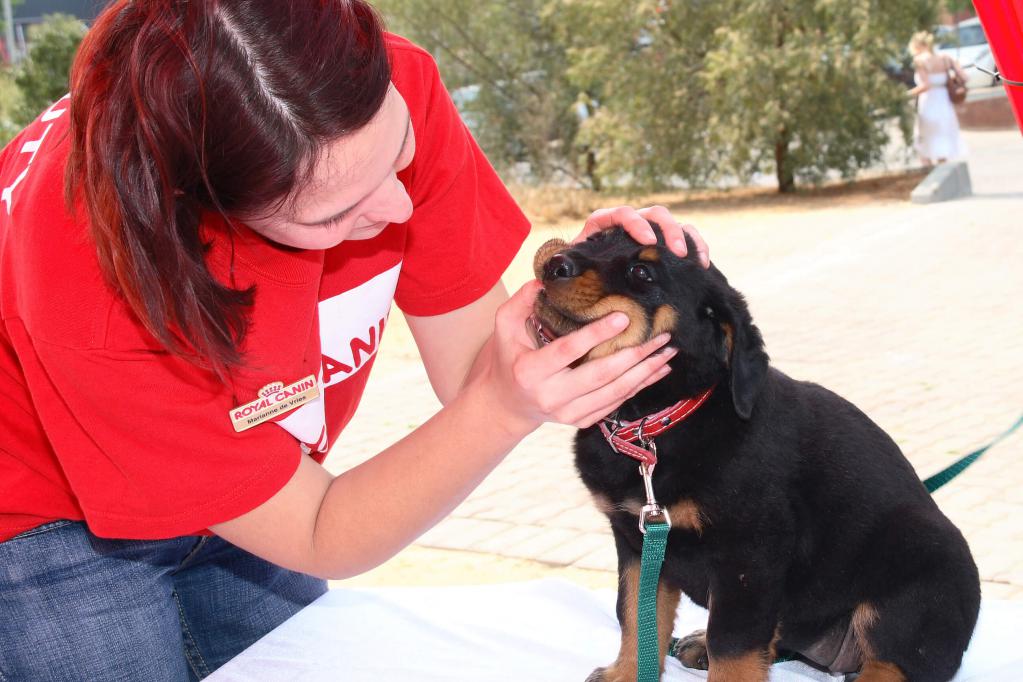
(937, 129)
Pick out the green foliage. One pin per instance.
(10, 106)
(801, 86)
(958, 5)
(506, 71)
(638, 66)
(647, 93)
(43, 75)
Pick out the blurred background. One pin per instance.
(783, 131)
(574, 98)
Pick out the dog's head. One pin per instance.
(708, 320)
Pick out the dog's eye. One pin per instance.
(709, 312)
(641, 273)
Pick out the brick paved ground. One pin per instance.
(912, 312)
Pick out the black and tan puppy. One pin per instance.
(795, 519)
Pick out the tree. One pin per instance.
(637, 67)
(690, 90)
(43, 76)
(506, 70)
(10, 106)
(652, 93)
(956, 6)
(799, 84)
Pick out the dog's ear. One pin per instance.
(747, 360)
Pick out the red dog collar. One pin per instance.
(622, 436)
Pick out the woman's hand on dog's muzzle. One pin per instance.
(526, 386)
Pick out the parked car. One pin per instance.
(966, 43)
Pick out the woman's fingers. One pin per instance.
(603, 371)
(637, 224)
(605, 383)
(594, 417)
(542, 382)
(556, 356)
(675, 234)
(626, 216)
(702, 250)
(604, 400)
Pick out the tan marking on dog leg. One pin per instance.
(879, 671)
(665, 320)
(667, 607)
(685, 514)
(650, 254)
(625, 666)
(863, 618)
(636, 333)
(545, 253)
(772, 648)
(751, 667)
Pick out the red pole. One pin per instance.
(1003, 24)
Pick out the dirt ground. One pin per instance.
(548, 206)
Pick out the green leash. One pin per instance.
(948, 473)
(648, 654)
(655, 541)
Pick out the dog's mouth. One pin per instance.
(575, 294)
(544, 336)
(550, 322)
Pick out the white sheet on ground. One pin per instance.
(546, 631)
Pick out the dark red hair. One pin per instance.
(181, 107)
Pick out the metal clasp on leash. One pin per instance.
(651, 508)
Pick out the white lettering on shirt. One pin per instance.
(32, 147)
(351, 324)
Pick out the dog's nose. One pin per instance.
(560, 266)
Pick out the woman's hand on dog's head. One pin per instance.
(637, 224)
(531, 386)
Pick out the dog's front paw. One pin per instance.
(612, 673)
(691, 650)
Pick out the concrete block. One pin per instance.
(947, 181)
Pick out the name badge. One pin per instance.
(274, 400)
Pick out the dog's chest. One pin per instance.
(618, 492)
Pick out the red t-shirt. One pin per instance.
(99, 423)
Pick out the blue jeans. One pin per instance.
(74, 606)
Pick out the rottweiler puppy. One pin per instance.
(795, 519)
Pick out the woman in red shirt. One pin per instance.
(198, 252)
